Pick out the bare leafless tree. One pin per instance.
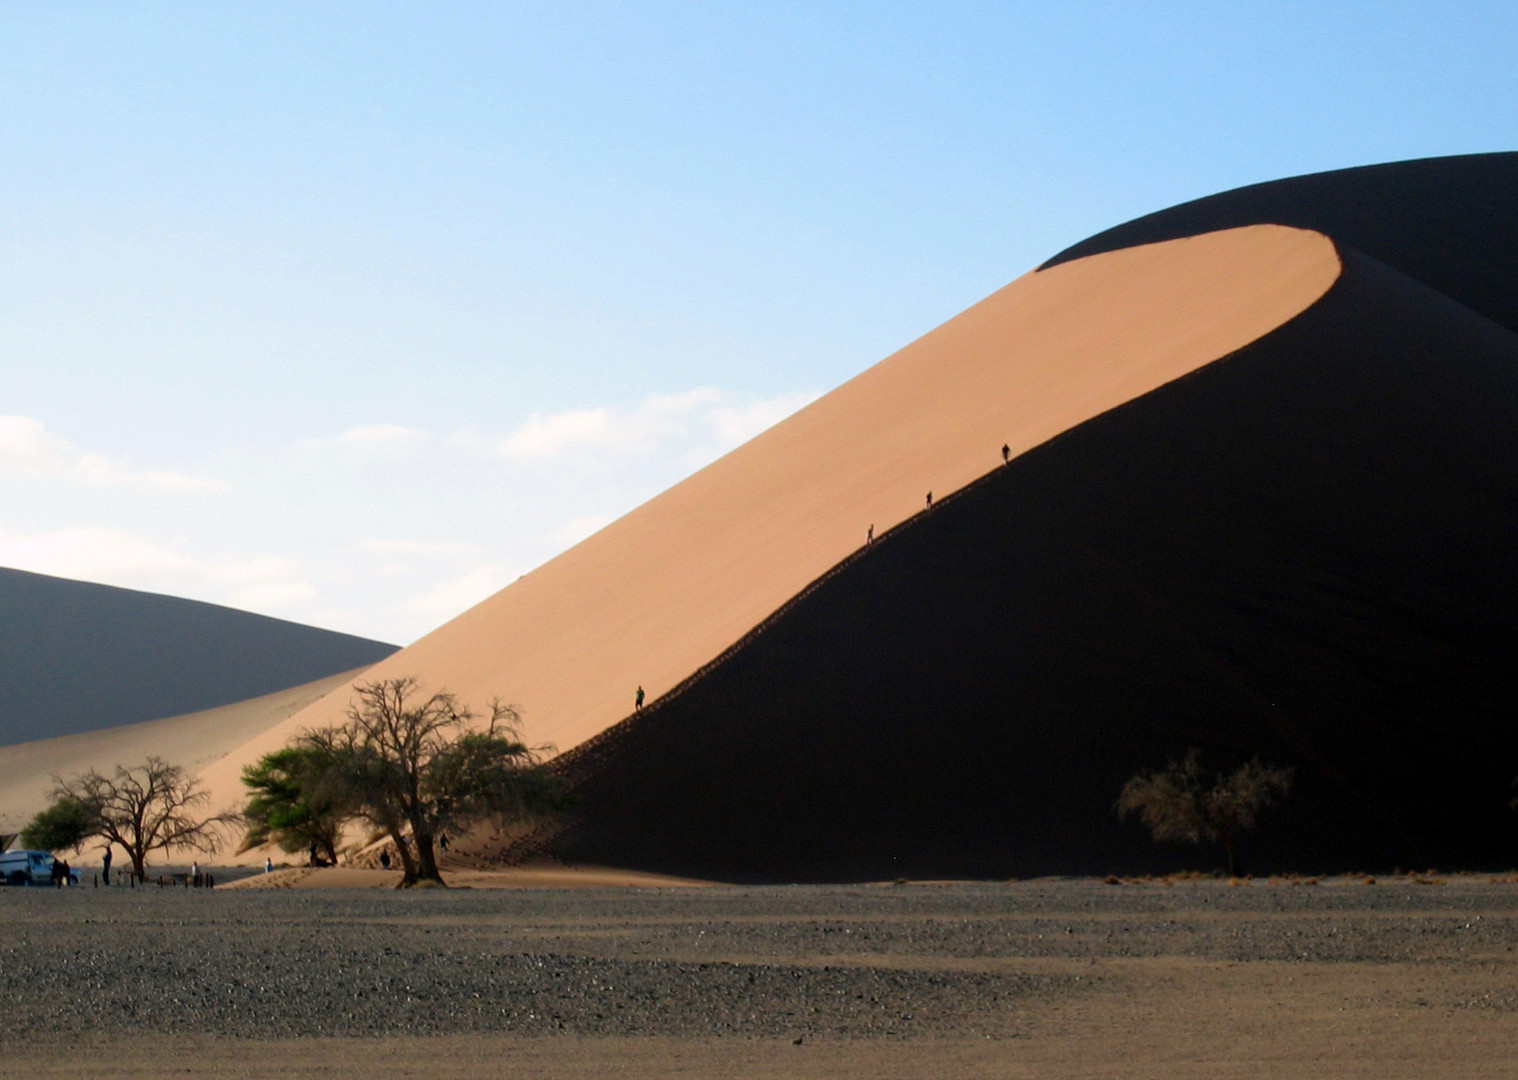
(1185, 803)
(418, 766)
(150, 807)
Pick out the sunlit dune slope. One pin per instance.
(76, 656)
(192, 740)
(654, 596)
(1307, 551)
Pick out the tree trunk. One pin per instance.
(408, 864)
(1235, 866)
(425, 857)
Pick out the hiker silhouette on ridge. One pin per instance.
(638, 700)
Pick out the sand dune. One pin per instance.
(1263, 500)
(660, 592)
(193, 740)
(76, 656)
(1305, 551)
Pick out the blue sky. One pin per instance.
(351, 313)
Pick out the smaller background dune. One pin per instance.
(191, 740)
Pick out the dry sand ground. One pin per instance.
(545, 876)
(1032, 979)
(192, 740)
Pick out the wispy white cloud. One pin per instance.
(418, 547)
(735, 424)
(386, 441)
(640, 430)
(579, 527)
(444, 599)
(705, 416)
(116, 556)
(28, 448)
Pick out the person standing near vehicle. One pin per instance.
(105, 865)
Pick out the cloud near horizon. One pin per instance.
(28, 448)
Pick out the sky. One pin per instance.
(353, 313)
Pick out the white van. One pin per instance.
(30, 868)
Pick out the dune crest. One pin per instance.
(656, 594)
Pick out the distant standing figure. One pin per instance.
(869, 535)
(268, 864)
(105, 865)
(1006, 454)
(385, 859)
(443, 842)
(638, 700)
(195, 873)
(930, 500)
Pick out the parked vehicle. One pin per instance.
(30, 868)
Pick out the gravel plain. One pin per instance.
(858, 965)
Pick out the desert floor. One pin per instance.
(1404, 977)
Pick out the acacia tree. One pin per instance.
(415, 767)
(149, 807)
(1185, 803)
(295, 801)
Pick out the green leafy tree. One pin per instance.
(295, 802)
(63, 826)
(416, 767)
(1187, 804)
(150, 807)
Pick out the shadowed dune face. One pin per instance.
(654, 596)
(1308, 551)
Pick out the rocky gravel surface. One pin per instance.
(805, 961)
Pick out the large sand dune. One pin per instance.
(659, 593)
(1263, 500)
(1306, 551)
